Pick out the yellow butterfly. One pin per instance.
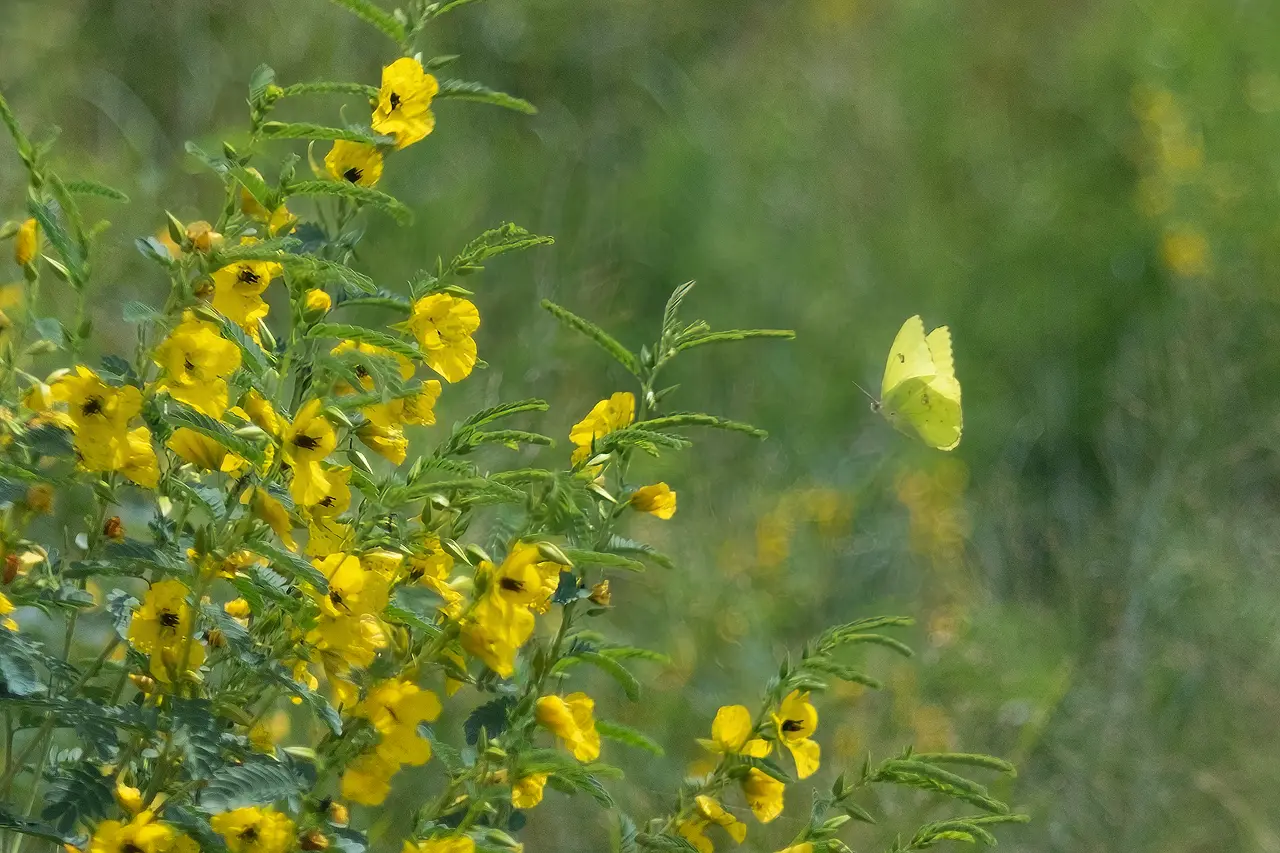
(920, 394)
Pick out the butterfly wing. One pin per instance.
(927, 405)
(909, 357)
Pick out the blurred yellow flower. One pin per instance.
(527, 791)
(26, 243)
(1185, 251)
(6, 608)
(395, 708)
(254, 830)
(316, 301)
(310, 437)
(495, 631)
(367, 780)
(196, 361)
(237, 293)
(447, 844)
(161, 628)
(142, 834)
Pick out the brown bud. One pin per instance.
(145, 683)
(202, 236)
(216, 638)
(600, 594)
(12, 565)
(313, 840)
(40, 498)
(113, 529)
(203, 288)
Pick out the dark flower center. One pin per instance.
(353, 175)
(511, 585)
(335, 597)
(307, 442)
(248, 276)
(792, 725)
(92, 406)
(394, 100)
(130, 847)
(249, 834)
(169, 619)
(326, 501)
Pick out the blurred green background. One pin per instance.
(1088, 193)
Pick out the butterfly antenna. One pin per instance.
(875, 404)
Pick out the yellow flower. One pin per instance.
(237, 292)
(272, 511)
(404, 102)
(332, 496)
(204, 452)
(447, 844)
(729, 731)
(795, 721)
(142, 834)
(6, 607)
(237, 608)
(527, 791)
(525, 578)
(657, 499)
(202, 236)
(311, 437)
(354, 162)
(26, 243)
(389, 442)
(443, 325)
(99, 416)
(429, 561)
(254, 830)
(141, 466)
(395, 708)
(353, 589)
(129, 798)
(1185, 251)
(404, 365)
(572, 720)
(326, 536)
(764, 794)
(197, 360)
(605, 417)
(261, 413)
(420, 409)
(161, 628)
(708, 812)
(495, 631)
(367, 780)
(316, 301)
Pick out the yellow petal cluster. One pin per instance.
(572, 719)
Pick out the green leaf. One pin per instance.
(329, 88)
(684, 419)
(856, 811)
(732, 335)
(375, 16)
(511, 438)
(96, 189)
(34, 828)
(619, 673)
(767, 766)
(306, 130)
(629, 736)
(606, 341)
(262, 78)
(11, 122)
(184, 416)
(879, 640)
(254, 358)
(196, 825)
(990, 762)
(79, 794)
(841, 671)
(299, 568)
(505, 410)
(491, 716)
(272, 249)
(462, 90)
(623, 837)
(599, 558)
(361, 195)
(507, 237)
(140, 312)
(51, 226)
(671, 314)
(383, 299)
(917, 774)
(345, 332)
(665, 842)
(252, 784)
(630, 546)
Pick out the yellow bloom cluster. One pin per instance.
(395, 708)
(572, 720)
(502, 619)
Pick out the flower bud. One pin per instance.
(339, 814)
(313, 840)
(113, 529)
(317, 302)
(39, 498)
(600, 594)
(202, 236)
(25, 243)
(144, 683)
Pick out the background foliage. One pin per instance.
(1085, 192)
